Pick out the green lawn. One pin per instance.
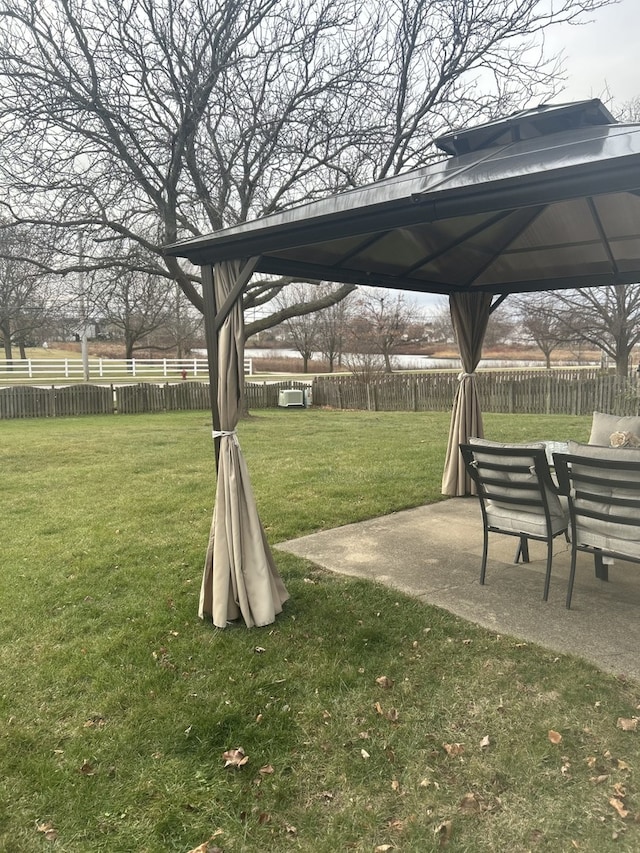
(117, 704)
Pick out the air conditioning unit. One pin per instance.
(291, 398)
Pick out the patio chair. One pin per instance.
(517, 497)
(603, 489)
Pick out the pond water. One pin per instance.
(413, 362)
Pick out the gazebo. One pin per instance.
(545, 199)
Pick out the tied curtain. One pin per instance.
(240, 577)
(470, 314)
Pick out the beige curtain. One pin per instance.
(470, 314)
(240, 577)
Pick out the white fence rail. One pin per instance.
(50, 370)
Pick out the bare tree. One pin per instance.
(541, 323)
(302, 329)
(384, 321)
(501, 326)
(606, 317)
(182, 326)
(26, 301)
(333, 323)
(174, 117)
(135, 303)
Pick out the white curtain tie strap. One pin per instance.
(462, 376)
(226, 433)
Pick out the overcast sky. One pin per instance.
(602, 54)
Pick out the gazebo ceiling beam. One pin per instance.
(533, 214)
(320, 272)
(453, 244)
(312, 272)
(362, 246)
(603, 236)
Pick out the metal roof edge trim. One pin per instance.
(608, 176)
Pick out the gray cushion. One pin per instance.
(515, 517)
(603, 425)
(622, 538)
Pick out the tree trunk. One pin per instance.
(128, 347)
(622, 362)
(6, 337)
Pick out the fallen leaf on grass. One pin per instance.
(48, 830)
(618, 805)
(86, 768)
(555, 737)
(619, 790)
(469, 803)
(267, 770)
(453, 748)
(622, 765)
(628, 725)
(444, 832)
(207, 847)
(364, 754)
(235, 757)
(383, 848)
(391, 715)
(485, 742)
(384, 681)
(598, 780)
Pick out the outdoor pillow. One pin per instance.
(603, 426)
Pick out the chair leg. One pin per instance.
(547, 577)
(572, 575)
(485, 551)
(602, 570)
(522, 550)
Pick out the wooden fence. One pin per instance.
(571, 392)
(567, 391)
(27, 401)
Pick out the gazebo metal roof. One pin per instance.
(548, 198)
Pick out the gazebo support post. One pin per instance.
(214, 317)
(211, 338)
(240, 578)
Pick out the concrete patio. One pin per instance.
(433, 552)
